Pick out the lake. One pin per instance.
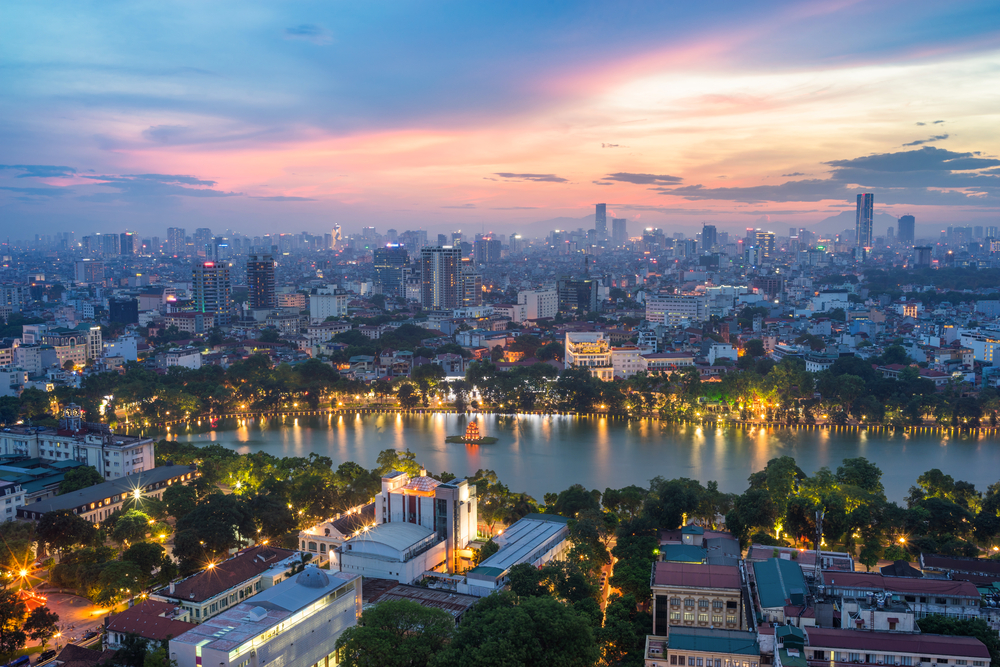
(540, 454)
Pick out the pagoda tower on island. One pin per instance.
(472, 431)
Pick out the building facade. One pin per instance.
(212, 291)
(260, 280)
(440, 277)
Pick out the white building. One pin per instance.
(449, 509)
(535, 539)
(185, 357)
(400, 551)
(13, 497)
(224, 585)
(589, 350)
(721, 351)
(12, 380)
(627, 361)
(539, 303)
(322, 539)
(827, 301)
(672, 308)
(983, 344)
(328, 302)
(295, 623)
(114, 455)
(125, 346)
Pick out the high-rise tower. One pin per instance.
(709, 237)
(260, 279)
(389, 262)
(440, 277)
(213, 291)
(865, 220)
(907, 227)
(601, 221)
(619, 231)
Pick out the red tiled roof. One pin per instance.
(244, 565)
(78, 656)
(834, 638)
(973, 565)
(145, 621)
(862, 580)
(698, 576)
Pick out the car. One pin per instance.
(91, 634)
(46, 655)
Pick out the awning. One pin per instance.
(893, 620)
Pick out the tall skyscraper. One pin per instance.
(516, 244)
(865, 220)
(601, 220)
(440, 277)
(765, 243)
(472, 286)
(260, 279)
(488, 250)
(907, 225)
(389, 262)
(202, 242)
(619, 231)
(709, 237)
(213, 291)
(127, 244)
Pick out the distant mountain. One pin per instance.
(545, 226)
(847, 219)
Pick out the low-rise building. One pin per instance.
(98, 502)
(835, 646)
(686, 595)
(321, 540)
(448, 509)
(534, 539)
(709, 647)
(155, 621)
(777, 583)
(221, 586)
(400, 551)
(112, 454)
(296, 622)
(958, 599)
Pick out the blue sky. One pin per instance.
(296, 115)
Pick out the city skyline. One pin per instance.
(192, 119)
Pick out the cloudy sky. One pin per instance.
(292, 116)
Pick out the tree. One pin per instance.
(17, 625)
(390, 459)
(861, 473)
(963, 627)
(623, 635)
(210, 531)
(576, 499)
(131, 526)
(755, 348)
(180, 499)
(79, 478)
(132, 653)
(158, 658)
(407, 395)
(148, 557)
(395, 633)
(16, 544)
(485, 551)
(269, 335)
(62, 529)
(117, 581)
(504, 631)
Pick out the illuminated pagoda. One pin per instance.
(472, 431)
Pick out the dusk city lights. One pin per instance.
(638, 334)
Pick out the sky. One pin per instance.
(295, 116)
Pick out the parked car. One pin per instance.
(46, 655)
(90, 634)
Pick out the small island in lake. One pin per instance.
(471, 437)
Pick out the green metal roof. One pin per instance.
(692, 529)
(777, 578)
(798, 660)
(487, 571)
(715, 641)
(682, 553)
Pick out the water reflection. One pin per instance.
(542, 454)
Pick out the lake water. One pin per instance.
(540, 454)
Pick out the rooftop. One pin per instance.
(523, 538)
(395, 535)
(864, 581)
(244, 622)
(116, 487)
(713, 640)
(835, 638)
(211, 582)
(777, 581)
(455, 604)
(150, 619)
(696, 576)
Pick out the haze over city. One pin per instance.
(464, 116)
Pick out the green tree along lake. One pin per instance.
(539, 454)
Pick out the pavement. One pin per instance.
(76, 616)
